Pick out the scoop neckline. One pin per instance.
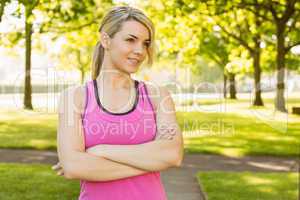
(136, 84)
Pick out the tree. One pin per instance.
(29, 6)
(283, 14)
(59, 17)
(77, 51)
(246, 28)
(2, 7)
(285, 17)
(213, 46)
(170, 21)
(243, 27)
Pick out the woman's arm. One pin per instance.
(164, 152)
(76, 163)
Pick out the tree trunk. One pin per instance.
(232, 89)
(280, 60)
(80, 66)
(2, 6)
(257, 75)
(28, 32)
(224, 85)
(82, 72)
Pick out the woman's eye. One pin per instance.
(130, 39)
(147, 44)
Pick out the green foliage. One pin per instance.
(185, 29)
(170, 21)
(77, 51)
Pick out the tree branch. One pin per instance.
(61, 30)
(248, 7)
(240, 40)
(215, 58)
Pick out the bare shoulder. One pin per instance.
(72, 98)
(158, 94)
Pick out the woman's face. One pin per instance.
(128, 47)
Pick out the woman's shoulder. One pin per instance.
(73, 98)
(157, 93)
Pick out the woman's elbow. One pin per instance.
(70, 175)
(70, 172)
(178, 161)
(177, 157)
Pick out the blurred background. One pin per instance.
(232, 67)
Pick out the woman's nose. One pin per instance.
(139, 49)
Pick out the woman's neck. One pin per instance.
(114, 79)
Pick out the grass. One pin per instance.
(27, 130)
(235, 135)
(240, 131)
(235, 128)
(246, 185)
(295, 101)
(35, 181)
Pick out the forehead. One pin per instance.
(135, 28)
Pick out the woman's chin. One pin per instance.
(132, 68)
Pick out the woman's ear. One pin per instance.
(105, 40)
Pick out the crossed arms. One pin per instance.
(112, 162)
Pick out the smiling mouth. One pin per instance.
(133, 61)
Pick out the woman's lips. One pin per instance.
(133, 61)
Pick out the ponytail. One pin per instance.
(97, 60)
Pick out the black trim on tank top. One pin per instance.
(86, 100)
(136, 83)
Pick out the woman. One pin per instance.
(116, 134)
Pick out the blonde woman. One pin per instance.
(116, 134)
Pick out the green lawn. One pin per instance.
(236, 128)
(237, 135)
(249, 186)
(29, 130)
(27, 182)
(35, 181)
(294, 101)
(242, 130)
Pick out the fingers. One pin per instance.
(60, 172)
(56, 167)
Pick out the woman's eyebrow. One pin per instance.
(137, 37)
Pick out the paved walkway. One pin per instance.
(180, 183)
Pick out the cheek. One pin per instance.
(121, 52)
(119, 55)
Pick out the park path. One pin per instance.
(180, 183)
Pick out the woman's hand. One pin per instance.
(58, 168)
(96, 150)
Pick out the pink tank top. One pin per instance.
(135, 126)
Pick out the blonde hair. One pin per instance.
(112, 23)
